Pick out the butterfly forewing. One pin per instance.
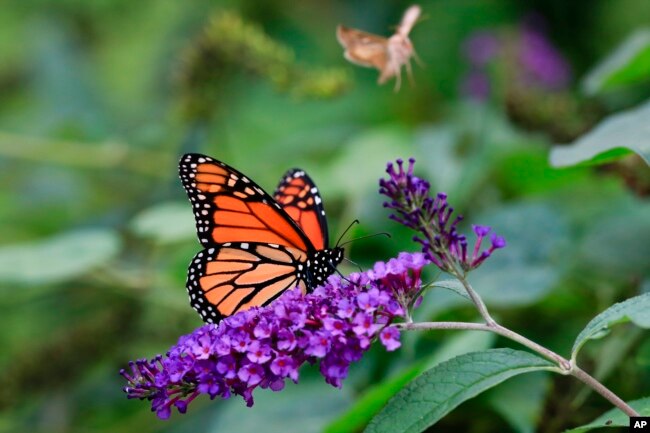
(299, 197)
(361, 48)
(229, 207)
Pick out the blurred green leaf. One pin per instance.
(301, 408)
(438, 391)
(57, 258)
(635, 310)
(643, 354)
(441, 160)
(526, 172)
(529, 266)
(629, 129)
(521, 400)
(166, 222)
(615, 417)
(618, 243)
(365, 157)
(628, 64)
(371, 402)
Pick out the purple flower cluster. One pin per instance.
(261, 347)
(528, 59)
(543, 65)
(431, 217)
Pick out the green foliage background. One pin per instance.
(100, 99)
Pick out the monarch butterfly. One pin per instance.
(256, 246)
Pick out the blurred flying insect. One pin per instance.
(388, 55)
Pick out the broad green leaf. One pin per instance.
(166, 222)
(520, 401)
(635, 310)
(530, 265)
(302, 408)
(438, 391)
(376, 397)
(629, 129)
(628, 64)
(615, 417)
(57, 258)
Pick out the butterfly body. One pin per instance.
(256, 246)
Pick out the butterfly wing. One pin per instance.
(361, 48)
(229, 207)
(299, 197)
(225, 279)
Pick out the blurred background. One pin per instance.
(99, 100)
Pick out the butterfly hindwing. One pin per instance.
(230, 207)
(232, 277)
(299, 197)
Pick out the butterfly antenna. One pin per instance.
(346, 230)
(365, 237)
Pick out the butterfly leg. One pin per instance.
(398, 78)
(409, 73)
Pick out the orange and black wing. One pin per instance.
(299, 197)
(233, 277)
(229, 207)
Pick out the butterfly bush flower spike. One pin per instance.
(413, 206)
(262, 347)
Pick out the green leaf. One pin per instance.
(615, 417)
(629, 129)
(166, 222)
(376, 397)
(625, 233)
(520, 401)
(628, 64)
(635, 310)
(58, 258)
(438, 391)
(375, 148)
